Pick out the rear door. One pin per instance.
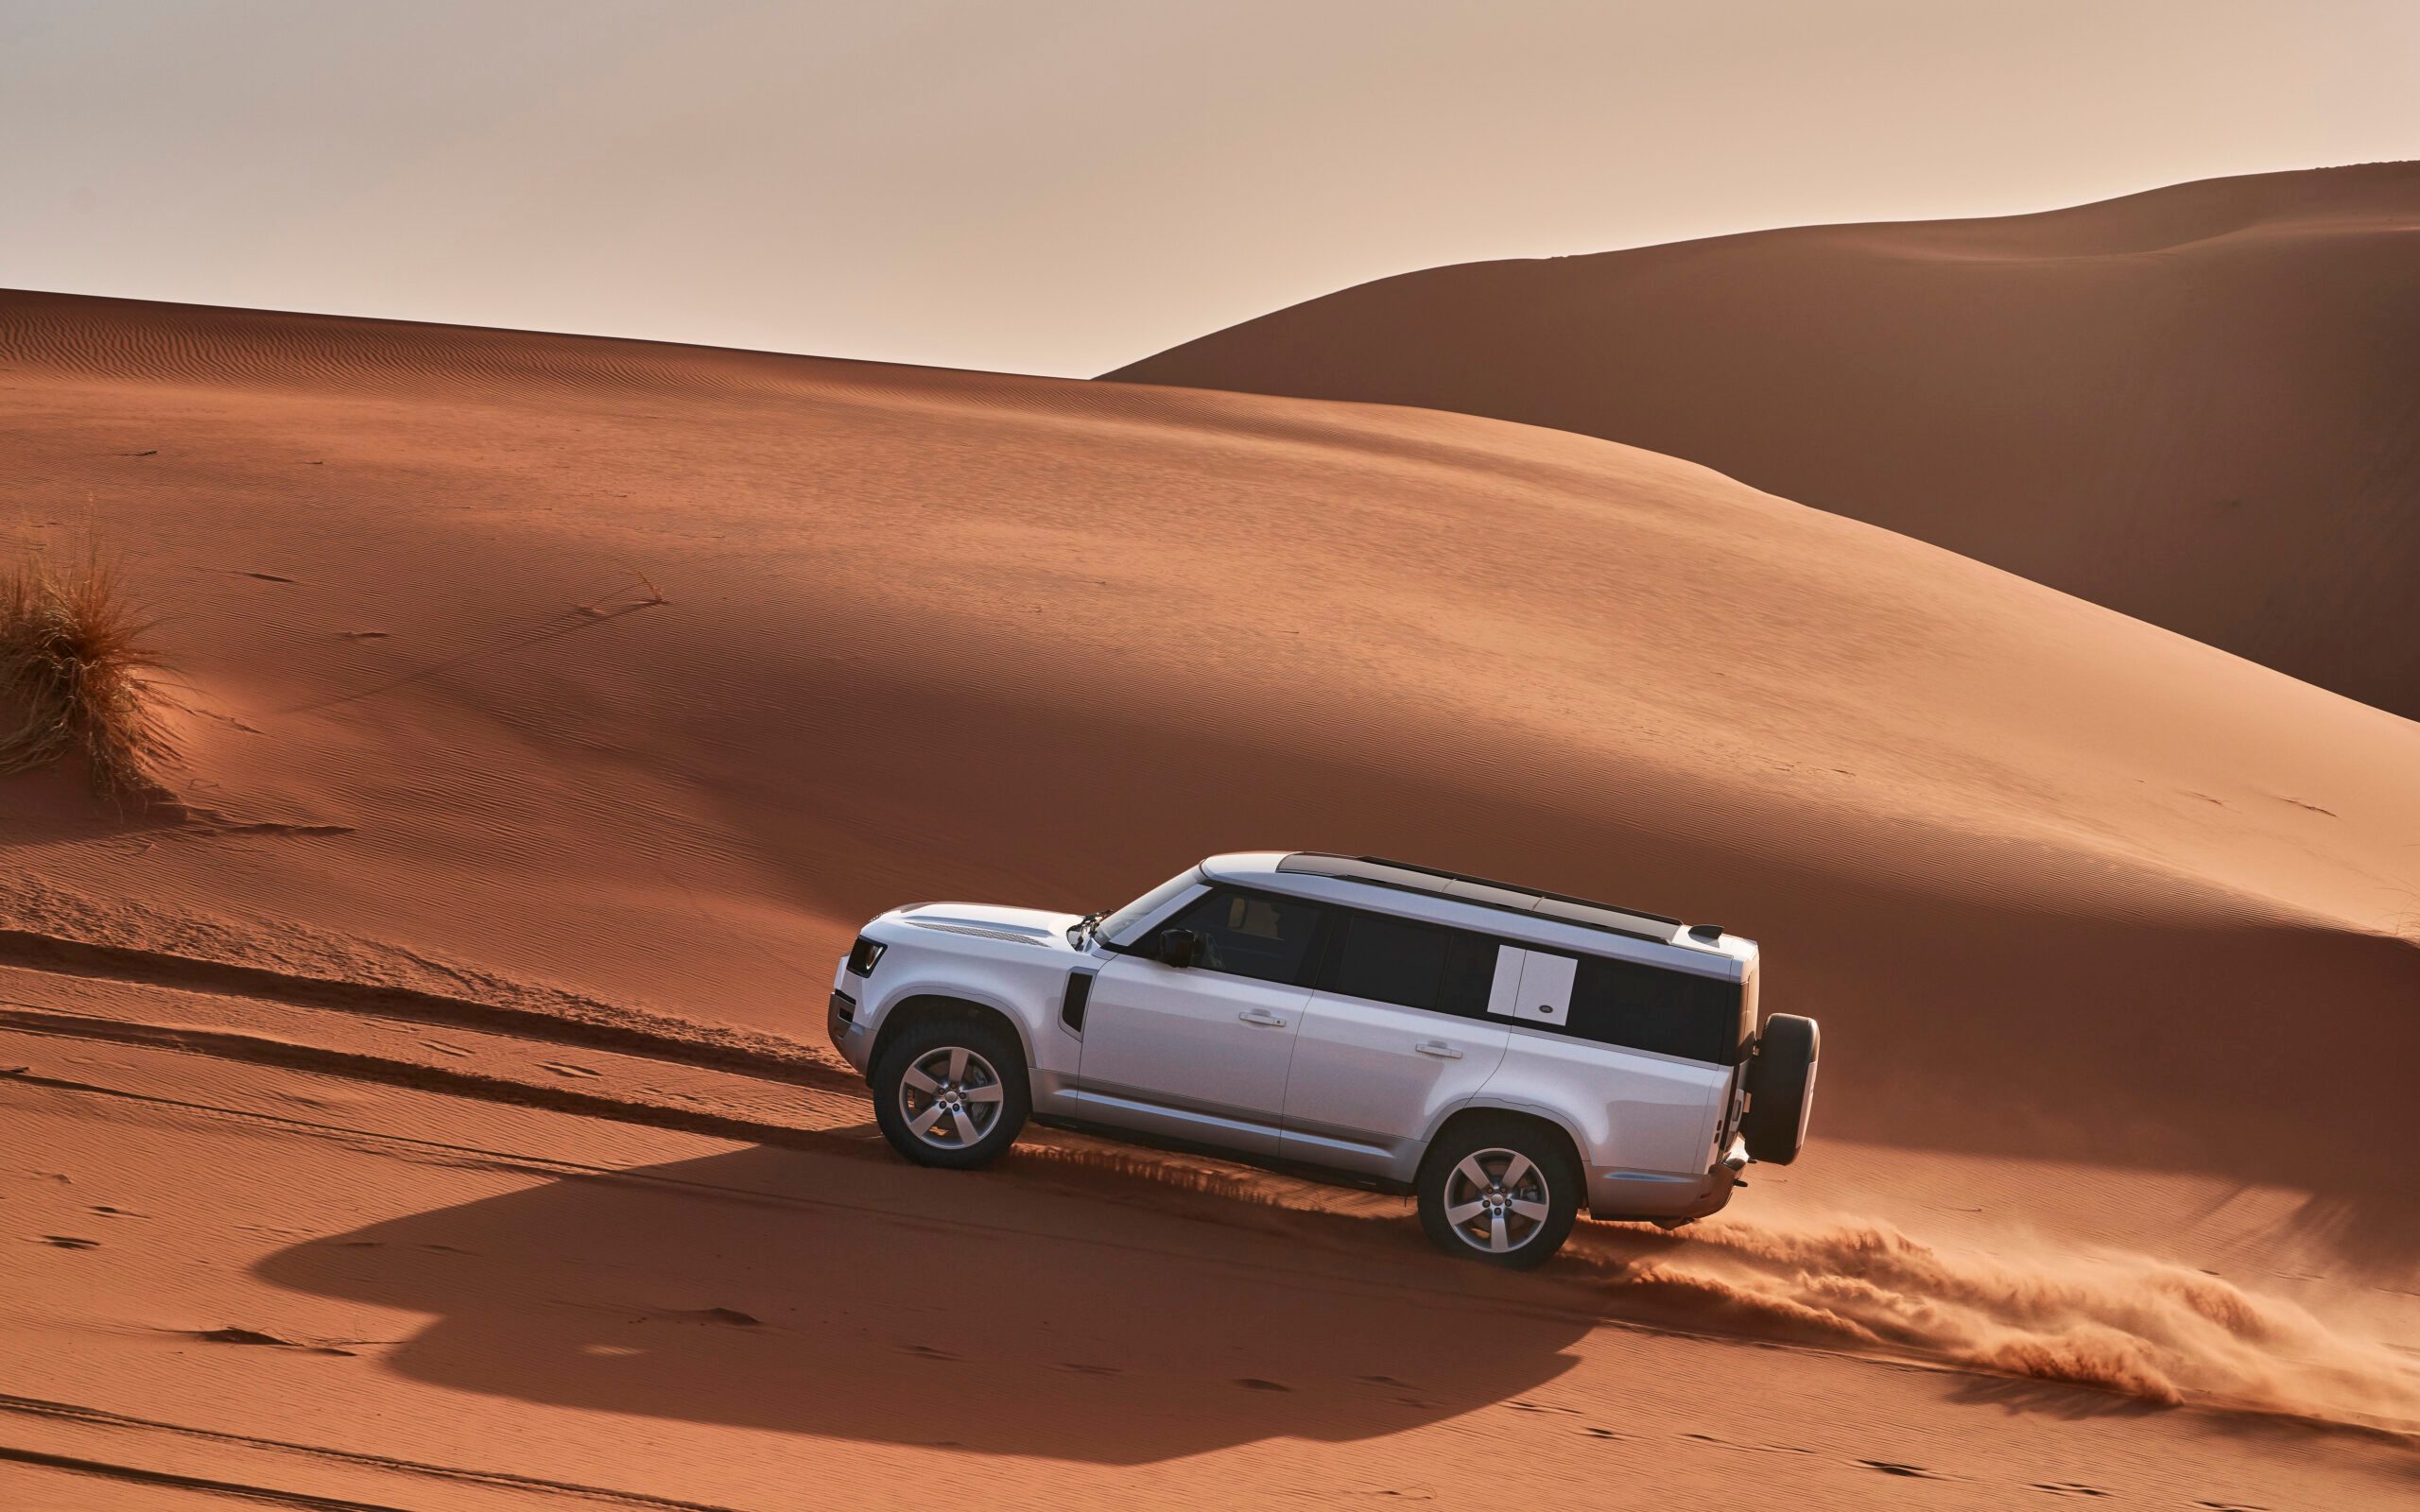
(1202, 1051)
(1396, 1035)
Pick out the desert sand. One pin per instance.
(2193, 405)
(429, 1109)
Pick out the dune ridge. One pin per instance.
(2192, 405)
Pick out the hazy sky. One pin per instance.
(1061, 186)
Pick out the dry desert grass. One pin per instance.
(78, 675)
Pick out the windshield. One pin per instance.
(1118, 925)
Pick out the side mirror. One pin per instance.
(1178, 947)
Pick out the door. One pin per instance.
(1397, 1037)
(1202, 1051)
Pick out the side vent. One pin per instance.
(1079, 991)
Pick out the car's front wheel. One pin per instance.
(951, 1092)
(1500, 1189)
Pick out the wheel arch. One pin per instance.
(1477, 1111)
(926, 1007)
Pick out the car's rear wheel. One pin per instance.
(951, 1092)
(1500, 1191)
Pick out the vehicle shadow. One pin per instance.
(798, 1292)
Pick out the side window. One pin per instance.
(1252, 934)
(1418, 965)
(1644, 1007)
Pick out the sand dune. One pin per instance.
(927, 628)
(2194, 405)
(556, 708)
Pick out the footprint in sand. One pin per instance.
(232, 1335)
(2069, 1488)
(925, 1351)
(1090, 1370)
(561, 1068)
(70, 1242)
(1777, 1449)
(1255, 1383)
(108, 1212)
(1913, 1472)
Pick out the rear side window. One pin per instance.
(1254, 934)
(1644, 1007)
(1418, 966)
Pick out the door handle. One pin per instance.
(1262, 1017)
(1438, 1048)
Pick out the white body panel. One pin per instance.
(1637, 1116)
(1173, 1042)
(1371, 1080)
(1532, 986)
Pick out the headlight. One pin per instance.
(863, 955)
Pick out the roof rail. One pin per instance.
(1534, 892)
(1525, 900)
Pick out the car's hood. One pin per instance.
(1032, 923)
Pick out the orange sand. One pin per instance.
(466, 1021)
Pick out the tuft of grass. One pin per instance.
(79, 676)
(649, 596)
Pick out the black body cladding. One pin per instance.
(1071, 1006)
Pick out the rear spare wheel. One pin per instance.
(1781, 1089)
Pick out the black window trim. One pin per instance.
(1314, 956)
(1340, 917)
(1313, 973)
(1332, 928)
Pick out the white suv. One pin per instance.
(1505, 1054)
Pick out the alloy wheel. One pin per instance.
(1496, 1200)
(950, 1098)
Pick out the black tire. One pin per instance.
(994, 1064)
(1549, 1178)
(1781, 1089)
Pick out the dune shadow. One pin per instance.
(57, 805)
(790, 1290)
